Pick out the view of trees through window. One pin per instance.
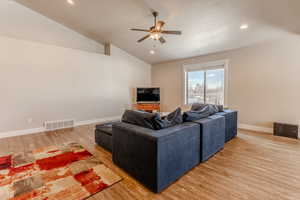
(205, 86)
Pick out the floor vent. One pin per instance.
(286, 130)
(55, 125)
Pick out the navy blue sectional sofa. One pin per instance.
(157, 158)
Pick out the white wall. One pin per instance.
(44, 81)
(20, 22)
(263, 81)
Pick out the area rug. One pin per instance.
(67, 172)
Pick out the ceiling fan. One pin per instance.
(156, 32)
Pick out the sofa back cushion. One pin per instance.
(140, 118)
(152, 120)
(200, 111)
(194, 115)
(213, 108)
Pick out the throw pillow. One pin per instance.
(152, 120)
(214, 108)
(174, 118)
(141, 118)
(194, 115)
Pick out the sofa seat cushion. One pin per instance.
(105, 128)
(103, 135)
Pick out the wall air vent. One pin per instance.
(60, 124)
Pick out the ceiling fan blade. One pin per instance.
(137, 29)
(162, 40)
(144, 38)
(172, 32)
(159, 25)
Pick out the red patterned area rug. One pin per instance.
(67, 172)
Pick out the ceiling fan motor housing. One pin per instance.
(155, 32)
(155, 14)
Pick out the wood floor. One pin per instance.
(252, 166)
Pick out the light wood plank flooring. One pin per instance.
(252, 166)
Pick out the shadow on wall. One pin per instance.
(283, 15)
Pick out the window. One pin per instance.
(206, 83)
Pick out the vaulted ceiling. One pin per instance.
(208, 25)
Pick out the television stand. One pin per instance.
(148, 107)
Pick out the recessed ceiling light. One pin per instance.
(244, 26)
(71, 2)
(152, 52)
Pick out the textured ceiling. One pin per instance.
(208, 25)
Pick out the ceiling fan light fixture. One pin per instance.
(152, 52)
(156, 31)
(244, 26)
(155, 36)
(71, 2)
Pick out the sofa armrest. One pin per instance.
(231, 121)
(156, 158)
(212, 139)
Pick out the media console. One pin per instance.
(149, 107)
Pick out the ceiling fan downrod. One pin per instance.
(155, 14)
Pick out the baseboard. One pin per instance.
(255, 128)
(107, 119)
(100, 120)
(21, 132)
(42, 129)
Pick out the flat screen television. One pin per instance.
(148, 95)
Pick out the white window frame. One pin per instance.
(221, 64)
